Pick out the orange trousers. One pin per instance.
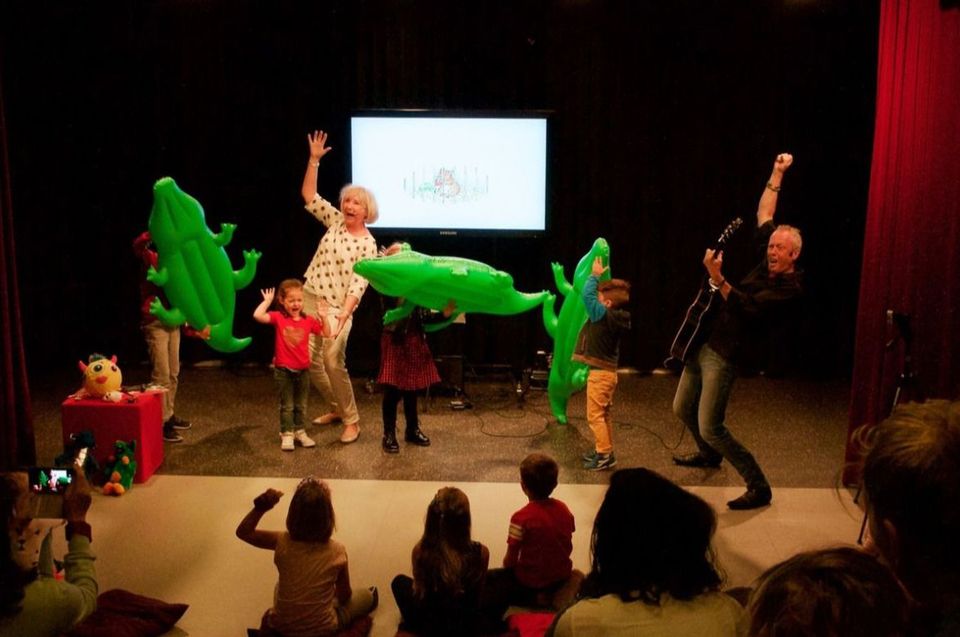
(600, 387)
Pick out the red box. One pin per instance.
(140, 420)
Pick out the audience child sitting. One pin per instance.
(911, 478)
(537, 569)
(652, 569)
(838, 592)
(313, 596)
(443, 597)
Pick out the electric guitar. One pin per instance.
(700, 313)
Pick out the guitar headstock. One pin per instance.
(728, 232)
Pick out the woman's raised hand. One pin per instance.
(317, 140)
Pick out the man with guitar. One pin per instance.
(765, 298)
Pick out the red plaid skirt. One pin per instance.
(407, 364)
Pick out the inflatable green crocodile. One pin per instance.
(432, 282)
(568, 376)
(194, 269)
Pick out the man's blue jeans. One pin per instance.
(701, 403)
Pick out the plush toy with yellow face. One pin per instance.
(101, 376)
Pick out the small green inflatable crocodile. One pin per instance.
(194, 269)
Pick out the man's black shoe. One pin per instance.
(754, 498)
(390, 443)
(417, 437)
(697, 460)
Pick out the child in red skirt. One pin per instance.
(406, 367)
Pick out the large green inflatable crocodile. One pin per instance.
(432, 282)
(568, 376)
(194, 269)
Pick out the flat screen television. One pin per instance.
(453, 173)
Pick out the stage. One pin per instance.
(795, 428)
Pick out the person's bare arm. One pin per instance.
(771, 191)
(317, 141)
(343, 590)
(248, 531)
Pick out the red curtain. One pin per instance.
(911, 254)
(17, 445)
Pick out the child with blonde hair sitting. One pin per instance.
(313, 596)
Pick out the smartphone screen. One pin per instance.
(48, 485)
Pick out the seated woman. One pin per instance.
(33, 603)
(838, 592)
(443, 597)
(652, 570)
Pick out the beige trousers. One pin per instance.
(328, 362)
(163, 346)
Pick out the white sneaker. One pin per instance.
(286, 441)
(305, 441)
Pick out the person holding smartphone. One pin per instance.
(33, 603)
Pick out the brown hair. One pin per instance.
(440, 555)
(617, 291)
(286, 285)
(310, 517)
(911, 476)
(838, 592)
(538, 473)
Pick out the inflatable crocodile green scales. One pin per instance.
(194, 269)
(432, 282)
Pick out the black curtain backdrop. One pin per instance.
(667, 116)
(17, 445)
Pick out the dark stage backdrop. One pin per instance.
(667, 117)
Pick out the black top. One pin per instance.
(758, 305)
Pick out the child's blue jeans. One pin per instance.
(293, 388)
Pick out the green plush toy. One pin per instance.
(121, 468)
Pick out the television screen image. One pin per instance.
(446, 173)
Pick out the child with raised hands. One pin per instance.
(291, 360)
(313, 596)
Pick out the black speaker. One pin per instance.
(450, 369)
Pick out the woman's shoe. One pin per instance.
(327, 419)
(350, 433)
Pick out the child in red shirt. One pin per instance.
(291, 360)
(537, 569)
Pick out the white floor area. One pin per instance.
(173, 538)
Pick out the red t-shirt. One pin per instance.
(292, 346)
(544, 530)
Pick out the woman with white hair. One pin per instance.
(332, 290)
